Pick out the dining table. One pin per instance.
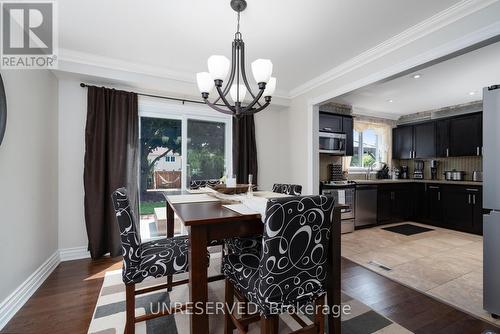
(206, 218)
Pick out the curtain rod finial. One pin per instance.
(82, 84)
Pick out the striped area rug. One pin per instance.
(109, 313)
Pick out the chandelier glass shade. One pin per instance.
(237, 85)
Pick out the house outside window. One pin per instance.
(367, 150)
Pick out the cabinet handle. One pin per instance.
(471, 189)
(477, 150)
(447, 152)
(474, 199)
(433, 187)
(469, 198)
(439, 195)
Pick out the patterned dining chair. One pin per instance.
(252, 244)
(196, 184)
(154, 259)
(287, 188)
(291, 268)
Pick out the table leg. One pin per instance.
(170, 233)
(333, 293)
(198, 280)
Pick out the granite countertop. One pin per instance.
(389, 181)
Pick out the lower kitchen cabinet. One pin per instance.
(394, 203)
(433, 205)
(462, 209)
(454, 207)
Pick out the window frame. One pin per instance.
(155, 107)
(362, 168)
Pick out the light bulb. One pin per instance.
(205, 82)
(262, 70)
(218, 66)
(242, 94)
(270, 87)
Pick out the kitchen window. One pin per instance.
(367, 149)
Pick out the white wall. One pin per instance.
(28, 176)
(71, 127)
(272, 150)
(453, 37)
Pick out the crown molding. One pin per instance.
(422, 29)
(79, 62)
(82, 58)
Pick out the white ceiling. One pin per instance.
(444, 84)
(303, 38)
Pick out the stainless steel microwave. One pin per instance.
(332, 143)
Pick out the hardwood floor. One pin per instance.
(65, 302)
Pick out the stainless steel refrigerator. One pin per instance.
(491, 200)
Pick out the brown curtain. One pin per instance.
(111, 158)
(244, 149)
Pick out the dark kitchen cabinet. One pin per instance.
(402, 203)
(443, 138)
(433, 205)
(347, 127)
(384, 205)
(424, 140)
(330, 122)
(394, 203)
(463, 209)
(402, 142)
(466, 135)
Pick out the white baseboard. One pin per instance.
(12, 304)
(75, 253)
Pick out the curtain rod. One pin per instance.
(83, 85)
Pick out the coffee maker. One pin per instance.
(404, 174)
(418, 170)
(434, 168)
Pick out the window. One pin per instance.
(367, 149)
(178, 143)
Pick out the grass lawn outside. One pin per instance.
(147, 208)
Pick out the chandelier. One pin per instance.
(237, 85)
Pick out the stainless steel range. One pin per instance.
(344, 193)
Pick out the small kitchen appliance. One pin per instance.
(434, 169)
(454, 175)
(418, 169)
(404, 174)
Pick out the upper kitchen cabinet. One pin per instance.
(443, 138)
(402, 142)
(449, 137)
(466, 135)
(330, 122)
(424, 140)
(347, 126)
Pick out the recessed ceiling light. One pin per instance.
(472, 93)
(390, 100)
(417, 76)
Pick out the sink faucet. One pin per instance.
(368, 172)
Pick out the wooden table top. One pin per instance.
(208, 213)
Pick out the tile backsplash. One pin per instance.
(467, 164)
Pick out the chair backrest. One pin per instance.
(289, 189)
(129, 235)
(196, 184)
(293, 268)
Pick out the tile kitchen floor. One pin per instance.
(443, 264)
